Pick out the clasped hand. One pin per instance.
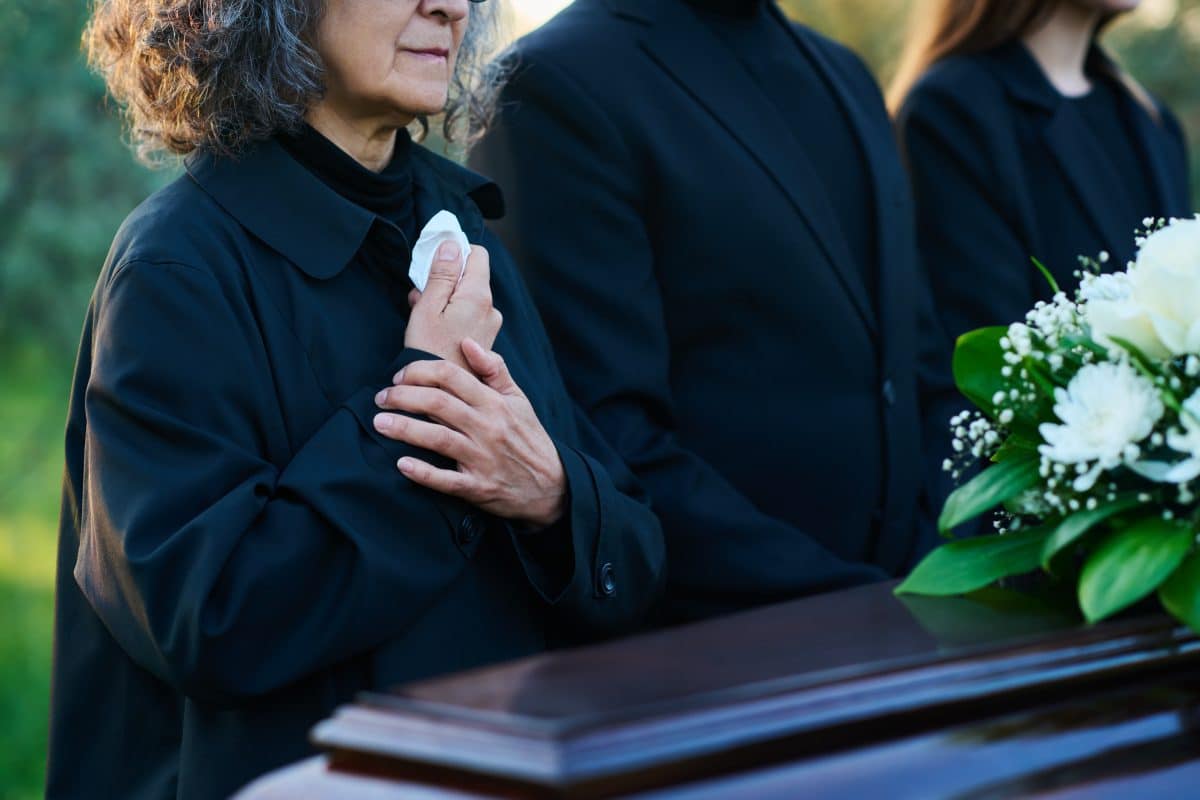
(470, 408)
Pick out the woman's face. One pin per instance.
(390, 59)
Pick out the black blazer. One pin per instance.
(238, 552)
(1003, 169)
(704, 306)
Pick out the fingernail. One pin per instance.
(398, 377)
(382, 422)
(380, 397)
(405, 465)
(448, 251)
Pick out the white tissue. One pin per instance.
(443, 227)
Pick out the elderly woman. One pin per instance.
(284, 486)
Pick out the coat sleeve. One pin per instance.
(577, 227)
(224, 573)
(602, 565)
(969, 238)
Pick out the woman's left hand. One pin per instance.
(507, 464)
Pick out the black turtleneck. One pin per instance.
(758, 35)
(388, 193)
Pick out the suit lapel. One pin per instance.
(888, 181)
(717, 81)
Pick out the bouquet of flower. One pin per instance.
(1088, 423)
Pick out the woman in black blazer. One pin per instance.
(1024, 139)
(284, 486)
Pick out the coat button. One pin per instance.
(468, 530)
(889, 392)
(606, 580)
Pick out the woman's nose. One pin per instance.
(451, 10)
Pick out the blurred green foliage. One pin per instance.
(66, 182)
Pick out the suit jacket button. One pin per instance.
(889, 392)
(468, 530)
(606, 580)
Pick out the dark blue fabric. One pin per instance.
(1004, 168)
(823, 134)
(238, 552)
(706, 307)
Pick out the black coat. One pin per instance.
(705, 308)
(1004, 169)
(238, 552)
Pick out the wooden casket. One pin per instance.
(856, 694)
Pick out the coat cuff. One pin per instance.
(559, 557)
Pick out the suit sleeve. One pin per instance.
(577, 227)
(224, 573)
(969, 240)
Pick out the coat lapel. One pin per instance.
(1077, 152)
(1168, 175)
(713, 76)
(1076, 149)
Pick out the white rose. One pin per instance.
(1111, 311)
(1166, 284)
(1156, 304)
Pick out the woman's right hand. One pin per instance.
(450, 310)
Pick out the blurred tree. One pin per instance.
(66, 180)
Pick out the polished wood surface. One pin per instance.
(819, 692)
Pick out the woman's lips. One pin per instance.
(430, 53)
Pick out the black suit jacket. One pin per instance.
(238, 552)
(1005, 169)
(704, 306)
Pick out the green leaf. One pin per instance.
(1015, 447)
(978, 360)
(970, 564)
(1180, 594)
(988, 489)
(1046, 274)
(1076, 525)
(1131, 564)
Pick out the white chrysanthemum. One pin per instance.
(1106, 410)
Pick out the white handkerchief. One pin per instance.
(443, 227)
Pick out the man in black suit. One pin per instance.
(714, 220)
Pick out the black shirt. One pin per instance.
(825, 139)
(1107, 119)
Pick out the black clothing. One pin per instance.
(824, 137)
(388, 193)
(1005, 168)
(705, 305)
(729, 8)
(238, 552)
(1104, 113)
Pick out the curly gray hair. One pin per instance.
(216, 75)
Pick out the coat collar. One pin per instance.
(291, 210)
(1074, 146)
(718, 82)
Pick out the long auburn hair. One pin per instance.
(943, 28)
